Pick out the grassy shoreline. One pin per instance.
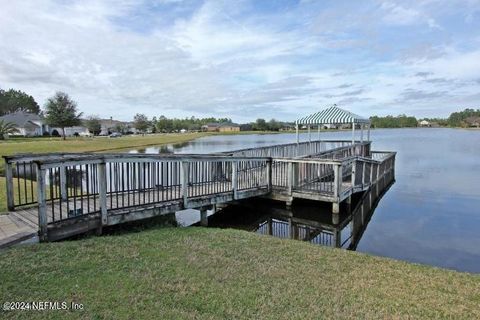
(217, 274)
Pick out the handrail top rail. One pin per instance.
(334, 161)
(56, 155)
(100, 158)
(325, 152)
(45, 157)
(52, 160)
(294, 144)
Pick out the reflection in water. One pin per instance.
(307, 220)
(169, 148)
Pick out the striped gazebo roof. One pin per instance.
(332, 115)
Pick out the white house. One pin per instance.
(425, 123)
(71, 131)
(30, 125)
(27, 124)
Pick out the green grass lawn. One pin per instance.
(227, 274)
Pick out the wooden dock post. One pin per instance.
(63, 183)
(234, 179)
(184, 182)
(354, 170)
(363, 174)
(203, 217)
(348, 201)
(337, 239)
(290, 177)
(9, 185)
(292, 230)
(337, 187)
(42, 204)
(102, 192)
(269, 226)
(269, 175)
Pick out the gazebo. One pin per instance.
(333, 115)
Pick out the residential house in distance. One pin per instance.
(473, 122)
(109, 126)
(70, 131)
(31, 125)
(425, 123)
(27, 124)
(210, 127)
(221, 127)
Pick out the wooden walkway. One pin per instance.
(75, 193)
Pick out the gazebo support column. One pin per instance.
(309, 134)
(361, 132)
(368, 132)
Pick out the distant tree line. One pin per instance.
(61, 111)
(263, 125)
(401, 121)
(164, 124)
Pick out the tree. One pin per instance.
(274, 125)
(15, 100)
(61, 111)
(140, 122)
(93, 124)
(120, 127)
(260, 125)
(457, 119)
(6, 128)
(153, 125)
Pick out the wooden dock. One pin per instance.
(66, 194)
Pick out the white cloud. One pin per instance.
(224, 59)
(399, 15)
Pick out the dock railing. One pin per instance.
(104, 184)
(67, 187)
(303, 149)
(329, 178)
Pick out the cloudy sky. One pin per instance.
(244, 59)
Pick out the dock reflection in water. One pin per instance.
(305, 220)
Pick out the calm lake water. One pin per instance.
(431, 214)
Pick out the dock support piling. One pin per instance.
(269, 227)
(337, 239)
(203, 217)
(288, 204)
(348, 201)
(335, 207)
